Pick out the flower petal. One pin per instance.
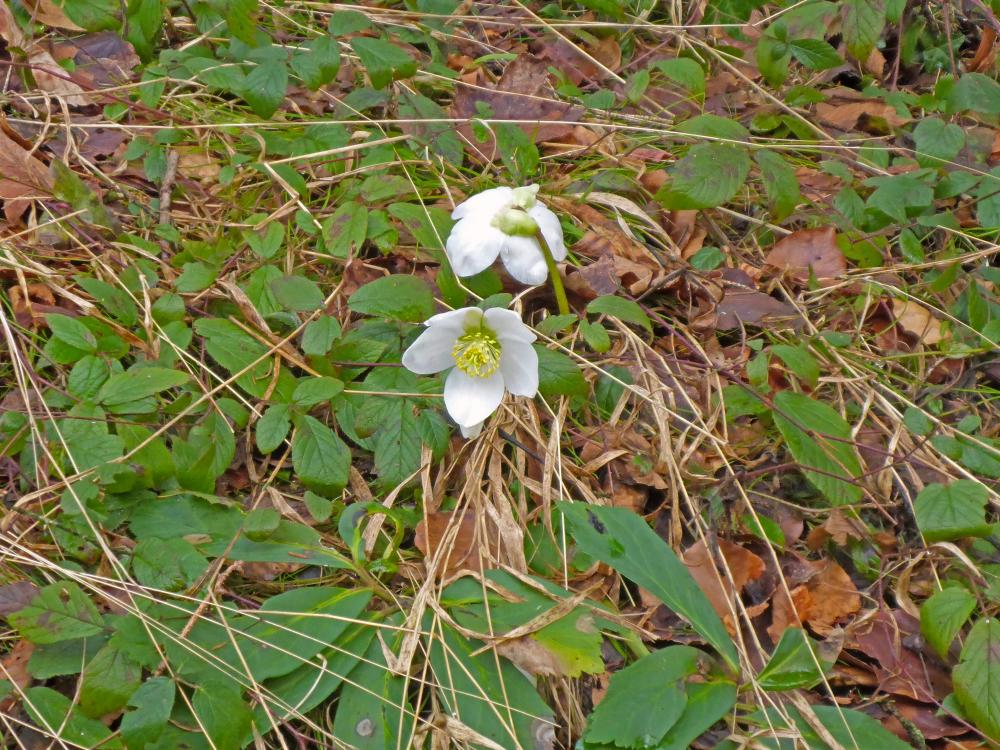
(473, 245)
(523, 259)
(471, 431)
(508, 326)
(456, 320)
(431, 352)
(519, 365)
(470, 400)
(552, 231)
(488, 201)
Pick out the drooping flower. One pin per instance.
(489, 352)
(504, 221)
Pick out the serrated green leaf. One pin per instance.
(397, 297)
(862, 25)
(297, 293)
(320, 458)
(54, 714)
(153, 702)
(71, 332)
(138, 383)
(780, 183)
(943, 615)
(92, 15)
(59, 612)
(312, 391)
(708, 176)
(815, 54)
(800, 361)
(624, 309)
(222, 713)
(819, 438)
(383, 61)
(952, 511)
(319, 335)
(558, 375)
(976, 92)
(935, 138)
(685, 72)
(977, 676)
(167, 564)
(108, 681)
(264, 88)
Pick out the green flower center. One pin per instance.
(477, 353)
(515, 222)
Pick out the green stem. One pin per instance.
(557, 285)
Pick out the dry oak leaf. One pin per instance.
(846, 109)
(743, 565)
(838, 527)
(807, 249)
(917, 320)
(834, 595)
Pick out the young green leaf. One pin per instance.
(71, 332)
(383, 61)
(320, 458)
(815, 54)
(558, 375)
(264, 88)
(952, 511)
(708, 176)
(977, 676)
(794, 664)
(138, 383)
(397, 297)
(621, 308)
(943, 615)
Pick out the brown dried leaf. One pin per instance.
(834, 597)
(868, 115)
(54, 80)
(809, 248)
(838, 527)
(47, 12)
(16, 596)
(917, 320)
(751, 307)
(15, 669)
(20, 167)
(463, 544)
(743, 565)
(788, 611)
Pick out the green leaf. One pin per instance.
(794, 664)
(320, 458)
(397, 297)
(153, 702)
(167, 564)
(63, 658)
(222, 713)
(800, 361)
(849, 728)
(116, 301)
(977, 676)
(318, 63)
(820, 442)
(319, 507)
(297, 293)
(707, 703)
(553, 324)
(596, 336)
(108, 681)
(621, 539)
(558, 375)
(87, 376)
(239, 352)
(241, 20)
(312, 391)
(383, 61)
(345, 231)
(59, 612)
(862, 26)
(977, 92)
(943, 615)
(319, 335)
(708, 176)
(815, 54)
(952, 511)
(714, 126)
(53, 713)
(268, 241)
(272, 428)
(71, 332)
(264, 88)
(137, 383)
(261, 523)
(685, 72)
(780, 183)
(624, 309)
(195, 277)
(93, 15)
(937, 139)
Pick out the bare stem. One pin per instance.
(557, 285)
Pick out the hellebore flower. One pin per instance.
(488, 352)
(504, 221)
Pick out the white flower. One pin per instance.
(504, 221)
(489, 352)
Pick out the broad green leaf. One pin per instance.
(71, 332)
(794, 664)
(943, 615)
(59, 612)
(558, 375)
(264, 88)
(317, 64)
(195, 277)
(93, 15)
(820, 442)
(977, 676)
(319, 335)
(977, 92)
(707, 703)
(267, 241)
(298, 293)
(780, 183)
(54, 714)
(644, 700)
(316, 390)
(952, 511)
(397, 297)
(222, 713)
(63, 658)
(383, 61)
(708, 176)
(116, 301)
(241, 20)
(439, 134)
(239, 352)
(272, 428)
(261, 523)
(815, 54)
(153, 702)
(320, 458)
(621, 539)
(108, 681)
(596, 336)
(87, 376)
(851, 729)
(624, 309)
(935, 138)
(714, 126)
(800, 361)
(685, 72)
(345, 231)
(167, 564)
(138, 383)
(862, 26)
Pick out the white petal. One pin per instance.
(431, 352)
(552, 231)
(470, 400)
(471, 431)
(508, 326)
(523, 259)
(488, 201)
(456, 320)
(519, 365)
(472, 246)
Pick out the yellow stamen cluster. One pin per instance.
(477, 353)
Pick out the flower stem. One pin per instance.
(557, 285)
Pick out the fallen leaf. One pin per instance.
(523, 92)
(100, 60)
(834, 597)
(751, 307)
(903, 667)
(10, 32)
(984, 52)
(16, 596)
(846, 109)
(463, 545)
(837, 527)
(743, 565)
(50, 14)
(15, 668)
(925, 718)
(917, 320)
(55, 80)
(20, 167)
(807, 249)
(788, 610)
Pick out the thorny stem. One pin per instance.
(557, 285)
